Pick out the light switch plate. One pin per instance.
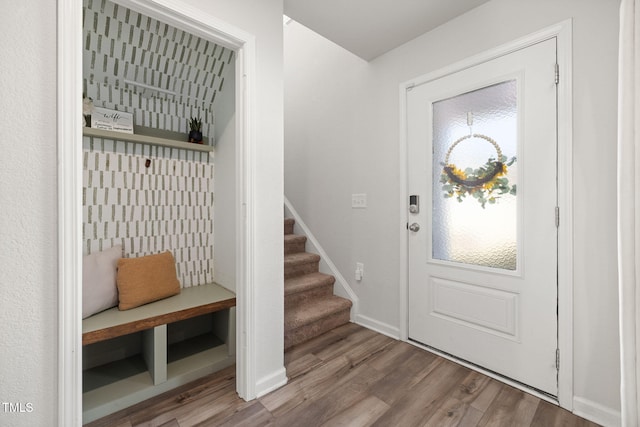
(359, 271)
(359, 201)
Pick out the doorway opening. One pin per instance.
(236, 136)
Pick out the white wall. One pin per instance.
(28, 176)
(263, 18)
(28, 254)
(342, 127)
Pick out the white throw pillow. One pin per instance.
(99, 289)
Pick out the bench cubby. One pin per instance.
(130, 356)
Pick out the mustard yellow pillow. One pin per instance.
(146, 279)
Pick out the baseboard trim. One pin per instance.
(341, 287)
(271, 382)
(596, 412)
(375, 325)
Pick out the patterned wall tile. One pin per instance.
(166, 206)
(122, 46)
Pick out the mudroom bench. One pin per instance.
(132, 355)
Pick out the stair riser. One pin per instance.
(294, 247)
(312, 330)
(294, 300)
(299, 269)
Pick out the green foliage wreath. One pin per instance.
(486, 184)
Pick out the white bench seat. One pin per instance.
(190, 302)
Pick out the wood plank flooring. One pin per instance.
(352, 376)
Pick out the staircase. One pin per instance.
(310, 308)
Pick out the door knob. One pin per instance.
(414, 227)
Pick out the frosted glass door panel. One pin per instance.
(474, 213)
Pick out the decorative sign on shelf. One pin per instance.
(106, 119)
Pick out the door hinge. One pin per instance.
(557, 74)
(557, 359)
(557, 216)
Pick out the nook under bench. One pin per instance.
(114, 379)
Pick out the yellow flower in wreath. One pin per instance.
(480, 183)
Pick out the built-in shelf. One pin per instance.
(144, 139)
(113, 393)
(132, 355)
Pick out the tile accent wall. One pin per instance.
(122, 46)
(165, 206)
(168, 205)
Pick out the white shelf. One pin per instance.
(144, 139)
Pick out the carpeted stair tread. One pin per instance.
(307, 282)
(300, 263)
(294, 243)
(288, 225)
(289, 238)
(313, 311)
(300, 258)
(309, 331)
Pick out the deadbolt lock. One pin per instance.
(414, 205)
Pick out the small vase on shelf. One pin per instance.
(195, 136)
(195, 133)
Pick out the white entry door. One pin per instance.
(483, 229)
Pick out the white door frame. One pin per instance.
(562, 32)
(69, 144)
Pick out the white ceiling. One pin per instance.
(369, 28)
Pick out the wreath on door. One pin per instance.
(486, 184)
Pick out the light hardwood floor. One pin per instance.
(352, 376)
